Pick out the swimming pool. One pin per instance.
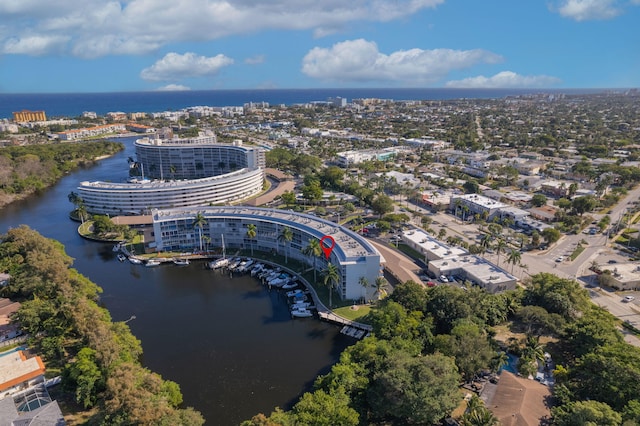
(10, 351)
(512, 365)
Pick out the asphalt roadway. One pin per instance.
(598, 249)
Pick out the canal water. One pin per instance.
(229, 343)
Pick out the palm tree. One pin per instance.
(82, 212)
(198, 222)
(286, 236)
(379, 285)
(331, 278)
(252, 232)
(501, 246)
(514, 258)
(364, 282)
(314, 251)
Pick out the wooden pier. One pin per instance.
(351, 328)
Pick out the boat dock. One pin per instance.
(351, 328)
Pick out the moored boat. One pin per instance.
(301, 313)
(181, 262)
(121, 257)
(135, 261)
(152, 262)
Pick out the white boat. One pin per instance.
(301, 313)
(116, 248)
(295, 292)
(290, 285)
(219, 263)
(302, 305)
(152, 262)
(223, 262)
(247, 265)
(257, 269)
(121, 257)
(181, 262)
(135, 261)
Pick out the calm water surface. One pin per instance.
(228, 342)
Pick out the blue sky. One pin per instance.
(138, 45)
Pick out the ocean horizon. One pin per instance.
(57, 105)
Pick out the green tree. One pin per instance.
(313, 250)
(252, 233)
(411, 295)
(87, 377)
(325, 409)
(514, 258)
(198, 222)
(470, 347)
(414, 390)
(550, 235)
(380, 284)
(286, 236)
(538, 200)
(477, 414)
(364, 283)
(382, 204)
(331, 278)
(586, 413)
(289, 198)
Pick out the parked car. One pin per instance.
(628, 299)
(444, 279)
(560, 259)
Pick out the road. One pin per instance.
(598, 248)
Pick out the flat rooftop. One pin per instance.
(476, 268)
(350, 244)
(15, 368)
(428, 243)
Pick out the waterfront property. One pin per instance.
(139, 198)
(211, 174)
(353, 255)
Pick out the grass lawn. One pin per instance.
(353, 312)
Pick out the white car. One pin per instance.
(628, 298)
(443, 279)
(560, 259)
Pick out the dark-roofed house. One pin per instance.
(516, 401)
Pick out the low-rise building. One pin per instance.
(18, 372)
(477, 270)
(430, 247)
(476, 204)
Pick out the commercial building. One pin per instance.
(473, 204)
(26, 116)
(476, 270)
(354, 256)
(443, 259)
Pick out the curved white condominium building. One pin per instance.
(174, 230)
(210, 173)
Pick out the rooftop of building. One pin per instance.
(422, 239)
(347, 243)
(161, 184)
(16, 368)
(482, 269)
(481, 200)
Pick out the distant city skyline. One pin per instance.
(136, 45)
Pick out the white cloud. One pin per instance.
(360, 61)
(105, 27)
(175, 66)
(586, 10)
(173, 88)
(255, 60)
(505, 79)
(34, 45)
